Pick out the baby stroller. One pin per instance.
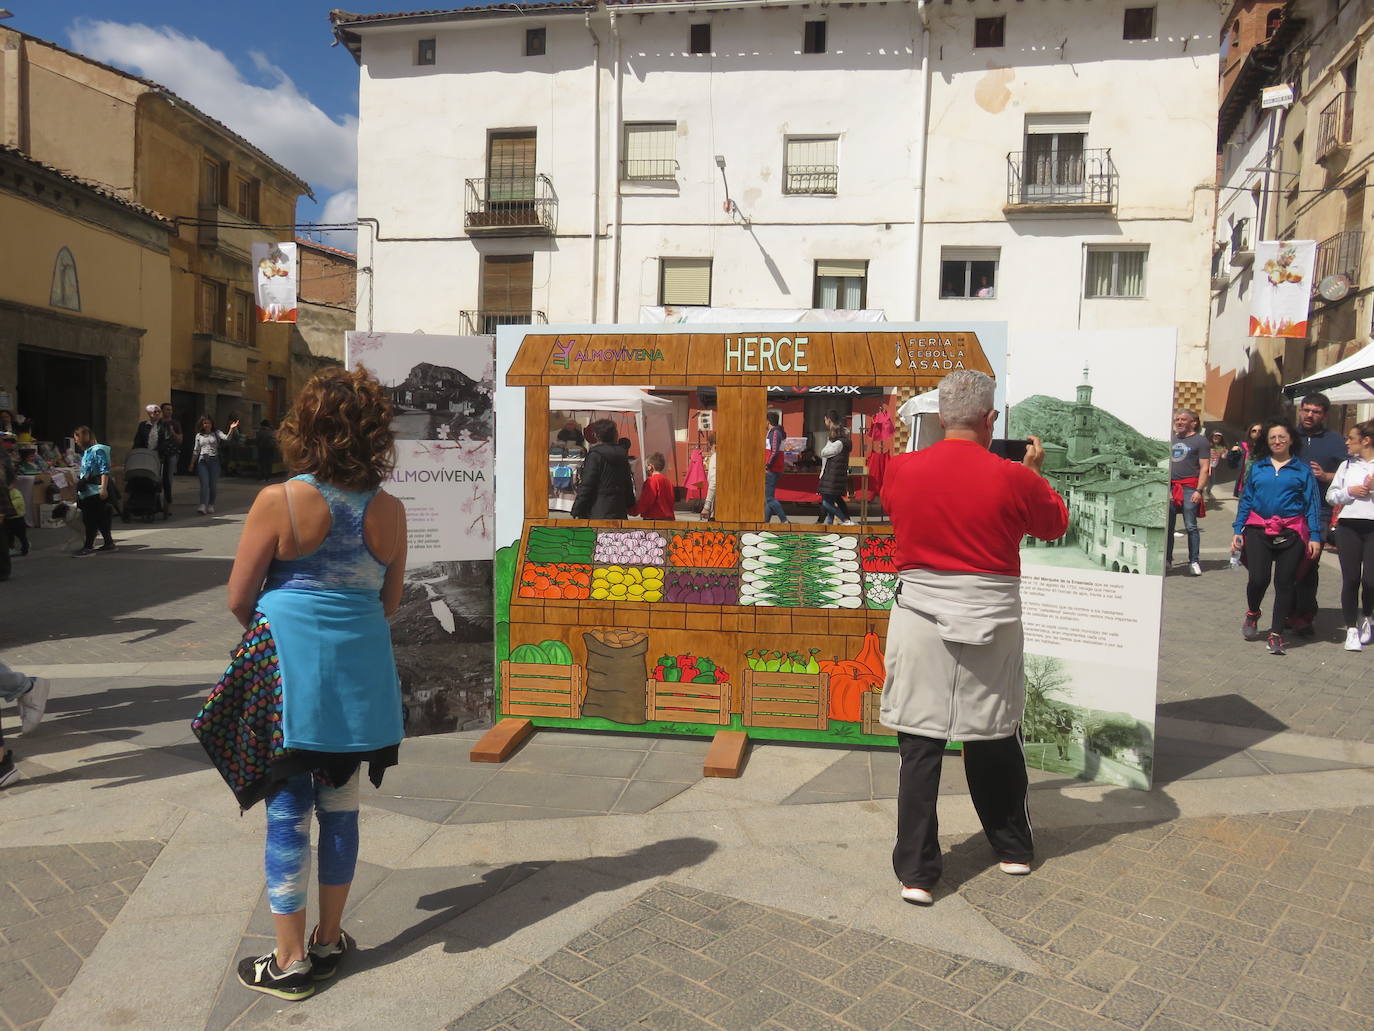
(143, 486)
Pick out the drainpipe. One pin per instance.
(617, 135)
(596, 157)
(923, 8)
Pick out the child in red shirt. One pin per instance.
(656, 497)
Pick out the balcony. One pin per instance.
(228, 231)
(1339, 255)
(1080, 181)
(1335, 126)
(484, 322)
(220, 360)
(511, 206)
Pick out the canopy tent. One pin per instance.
(1350, 381)
(653, 415)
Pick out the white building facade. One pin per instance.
(1050, 165)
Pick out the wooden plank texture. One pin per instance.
(741, 424)
(536, 452)
(725, 757)
(496, 745)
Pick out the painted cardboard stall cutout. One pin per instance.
(691, 627)
(442, 389)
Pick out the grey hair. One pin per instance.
(1188, 412)
(966, 396)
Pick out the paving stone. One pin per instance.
(670, 1018)
(692, 965)
(537, 1018)
(880, 1008)
(570, 966)
(687, 995)
(750, 1009)
(620, 977)
(493, 1011)
(622, 1012)
(1132, 1004)
(798, 1017)
(1007, 1006)
(553, 993)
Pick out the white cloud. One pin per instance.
(277, 118)
(341, 207)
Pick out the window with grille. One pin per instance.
(990, 32)
(1139, 23)
(210, 308)
(813, 38)
(684, 282)
(650, 151)
(811, 164)
(699, 38)
(841, 284)
(536, 42)
(969, 272)
(1115, 272)
(425, 51)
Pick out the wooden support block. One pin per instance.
(496, 745)
(725, 757)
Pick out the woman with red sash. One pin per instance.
(1278, 527)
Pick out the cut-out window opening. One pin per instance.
(1138, 23)
(425, 51)
(813, 39)
(990, 32)
(536, 42)
(699, 38)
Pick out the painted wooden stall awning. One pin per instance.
(786, 356)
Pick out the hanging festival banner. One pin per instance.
(441, 389)
(1282, 288)
(274, 281)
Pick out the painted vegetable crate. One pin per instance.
(793, 701)
(542, 680)
(689, 703)
(872, 703)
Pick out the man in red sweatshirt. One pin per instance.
(656, 497)
(955, 650)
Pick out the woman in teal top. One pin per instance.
(93, 491)
(319, 569)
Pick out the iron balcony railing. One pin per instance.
(484, 321)
(648, 169)
(1339, 255)
(813, 179)
(1067, 177)
(514, 205)
(1335, 125)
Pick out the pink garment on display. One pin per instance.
(695, 480)
(882, 427)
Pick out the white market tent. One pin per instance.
(1350, 381)
(653, 416)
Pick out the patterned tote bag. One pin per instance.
(240, 724)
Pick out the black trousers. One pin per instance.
(19, 532)
(997, 780)
(168, 464)
(96, 515)
(1265, 563)
(1305, 599)
(1355, 547)
(4, 556)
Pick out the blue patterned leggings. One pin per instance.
(288, 838)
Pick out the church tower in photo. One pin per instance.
(1081, 437)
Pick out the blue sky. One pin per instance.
(266, 70)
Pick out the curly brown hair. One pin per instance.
(340, 430)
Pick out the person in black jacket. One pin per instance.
(607, 489)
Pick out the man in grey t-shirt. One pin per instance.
(1190, 467)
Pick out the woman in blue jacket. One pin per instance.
(1278, 524)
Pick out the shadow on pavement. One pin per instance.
(1176, 759)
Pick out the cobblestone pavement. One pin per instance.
(1207, 673)
(56, 903)
(1236, 923)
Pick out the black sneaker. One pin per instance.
(1250, 628)
(262, 974)
(9, 772)
(107, 546)
(325, 959)
(79, 552)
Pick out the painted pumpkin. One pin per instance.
(849, 679)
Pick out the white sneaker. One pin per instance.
(849, 522)
(1195, 568)
(1352, 640)
(32, 704)
(209, 509)
(1014, 869)
(918, 896)
(1366, 630)
(200, 509)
